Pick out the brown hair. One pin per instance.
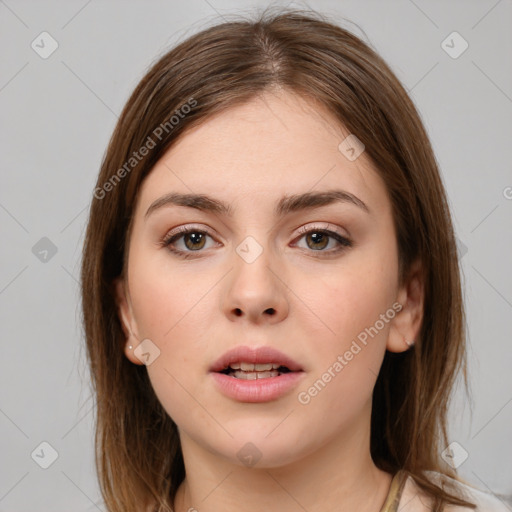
(138, 454)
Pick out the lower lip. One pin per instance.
(259, 390)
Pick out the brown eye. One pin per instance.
(318, 240)
(194, 240)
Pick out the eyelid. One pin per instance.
(321, 226)
(185, 228)
(332, 231)
(302, 230)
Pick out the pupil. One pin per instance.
(317, 237)
(196, 238)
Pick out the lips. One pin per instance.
(255, 356)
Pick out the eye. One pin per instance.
(194, 240)
(317, 239)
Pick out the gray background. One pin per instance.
(58, 114)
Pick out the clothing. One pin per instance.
(405, 496)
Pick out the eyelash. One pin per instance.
(168, 240)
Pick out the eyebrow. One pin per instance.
(286, 205)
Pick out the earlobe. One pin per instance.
(405, 326)
(126, 319)
(129, 353)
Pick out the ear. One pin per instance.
(405, 326)
(127, 320)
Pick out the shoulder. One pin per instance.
(413, 499)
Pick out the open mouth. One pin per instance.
(263, 374)
(250, 371)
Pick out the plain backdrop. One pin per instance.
(58, 112)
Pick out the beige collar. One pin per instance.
(395, 492)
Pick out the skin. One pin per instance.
(316, 456)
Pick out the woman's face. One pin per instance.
(271, 270)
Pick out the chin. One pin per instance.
(260, 452)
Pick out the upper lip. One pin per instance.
(257, 355)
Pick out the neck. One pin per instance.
(339, 476)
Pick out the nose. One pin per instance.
(255, 292)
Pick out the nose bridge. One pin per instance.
(255, 289)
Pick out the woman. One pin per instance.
(270, 283)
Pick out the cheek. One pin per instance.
(351, 297)
(173, 310)
(354, 304)
(167, 301)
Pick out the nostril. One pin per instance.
(271, 311)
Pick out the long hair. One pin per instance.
(138, 453)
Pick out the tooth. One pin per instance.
(247, 366)
(254, 375)
(266, 375)
(235, 366)
(275, 366)
(263, 367)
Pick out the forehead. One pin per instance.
(277, 144)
